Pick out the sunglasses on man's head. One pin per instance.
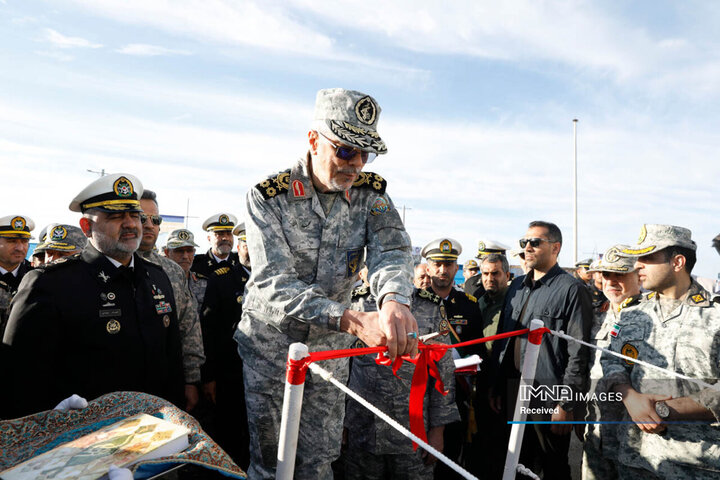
(344, 152)
(156, 219)
(534, 242)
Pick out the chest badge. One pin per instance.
(112, 327)
(103, 276)
(166, 321)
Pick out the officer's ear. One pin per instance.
(313, 140)
(86, 226)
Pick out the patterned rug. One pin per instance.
(26, 437)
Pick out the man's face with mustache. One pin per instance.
(330, 173)
(116, 234)
(221, 242)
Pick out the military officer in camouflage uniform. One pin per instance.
(375, 450)
(187, 311)
(676, 326)
(310, 229)
(180, 248)
(14, 242)
(100, 321)
(62, 241)
(465, 324)
(622, 288)
(219, 257)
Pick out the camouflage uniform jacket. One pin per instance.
(391, 394)
(197, 284)
(685, 341)
(304, 262)
(187, 310)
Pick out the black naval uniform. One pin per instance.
(465, 321)
(81, 325)
(220, 313)
(9, 284)
(205, 264)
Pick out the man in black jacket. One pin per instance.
(100, 321)
(562, 302)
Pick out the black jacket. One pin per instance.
(204, 264)
(563, 303)
(81, 325)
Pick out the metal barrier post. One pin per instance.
(292, 407)
(527, 377)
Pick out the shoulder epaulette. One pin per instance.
(5, 286)
(275, 185)
(630, 301)
(360, 291)
(199, 275)
(471, 298)
(422, 293)
(370, 180)
(60, 262)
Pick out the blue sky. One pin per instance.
(202, 99)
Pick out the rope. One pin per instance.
(562, 335)
(329, 377)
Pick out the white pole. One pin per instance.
(292, 407)
(575, 218)
(526, 378)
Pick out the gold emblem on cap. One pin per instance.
(112, 327)
(223, 219)
(123, 187)
(481, 245)
(612, 255)
(366, 110)
(166, 321)
(183, 235)
(445, 246)
(643, 234)
(18, 223)
(59, 233)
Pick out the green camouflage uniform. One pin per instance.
(687, 341)
(305, 263)
(190, 333)
(375, 449)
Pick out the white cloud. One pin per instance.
(61, 41)
(63, 57)
(145, 50)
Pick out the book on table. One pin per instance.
(138, 438)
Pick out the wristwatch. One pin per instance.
(396, 297)
(662, 409)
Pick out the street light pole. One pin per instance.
(575, 210)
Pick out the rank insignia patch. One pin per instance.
(698, 298)
(353, 261)
(629, 351)
(298, 189)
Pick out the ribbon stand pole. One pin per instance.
(292, 407)
(526, 379)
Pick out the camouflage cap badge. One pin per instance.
(654, 237)
(180, 238)
(614, 262)
(66, 238)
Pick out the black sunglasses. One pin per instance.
(534, 242)
(344, 152)
(156, 219)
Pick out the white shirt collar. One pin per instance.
(218, 259)
(118, 264)
(14, 272)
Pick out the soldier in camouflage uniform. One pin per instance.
(190, 333)
(61, 241)
(180, 248)
(676, 326)
(622, 288)
(375, 449)
(310, 230)
(14, 241)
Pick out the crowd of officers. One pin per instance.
(102, 309)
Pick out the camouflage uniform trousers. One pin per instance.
(193, 353)
(363, 465)
(321, 423)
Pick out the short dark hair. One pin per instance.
(554, 234)
(495, 258)
(149, 195)
(689, 254)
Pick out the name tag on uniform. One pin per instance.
(115, 312)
